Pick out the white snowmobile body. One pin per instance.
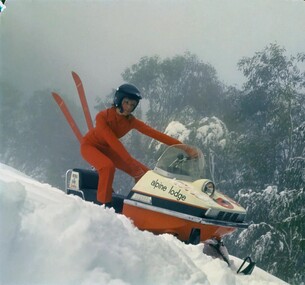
(173, 198)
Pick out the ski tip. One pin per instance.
(56, 97)
(75, 75)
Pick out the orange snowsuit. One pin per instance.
(102, 148)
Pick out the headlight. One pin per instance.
(208, 188)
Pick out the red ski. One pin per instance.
(83, 100)
(63, 107)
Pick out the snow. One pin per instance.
(212, 131)
(177, 130)
(48, 237)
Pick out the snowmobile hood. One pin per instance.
(177, 184)
(185, 192)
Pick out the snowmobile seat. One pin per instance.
(117, 202)
(88, 179)
(83, 183)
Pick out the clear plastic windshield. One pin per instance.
(176, 163)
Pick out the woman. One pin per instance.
(102, 148)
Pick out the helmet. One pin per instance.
(126, 90)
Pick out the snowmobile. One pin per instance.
(172, 198)
(175, 197)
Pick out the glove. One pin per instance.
(191, 152)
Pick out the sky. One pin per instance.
(42, 41)
(48, 238)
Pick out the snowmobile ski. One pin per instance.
(83, 100)
(215, 248)
(249, 267)
(63, 107)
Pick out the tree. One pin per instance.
(171, 84)
(269, 110)
(276, 232)
(45, 145)
(10, 106)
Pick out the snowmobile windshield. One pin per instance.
(175, 163)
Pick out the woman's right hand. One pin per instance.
(191, 151)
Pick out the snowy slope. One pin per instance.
(47, 237)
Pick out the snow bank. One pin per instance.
(48, 238)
